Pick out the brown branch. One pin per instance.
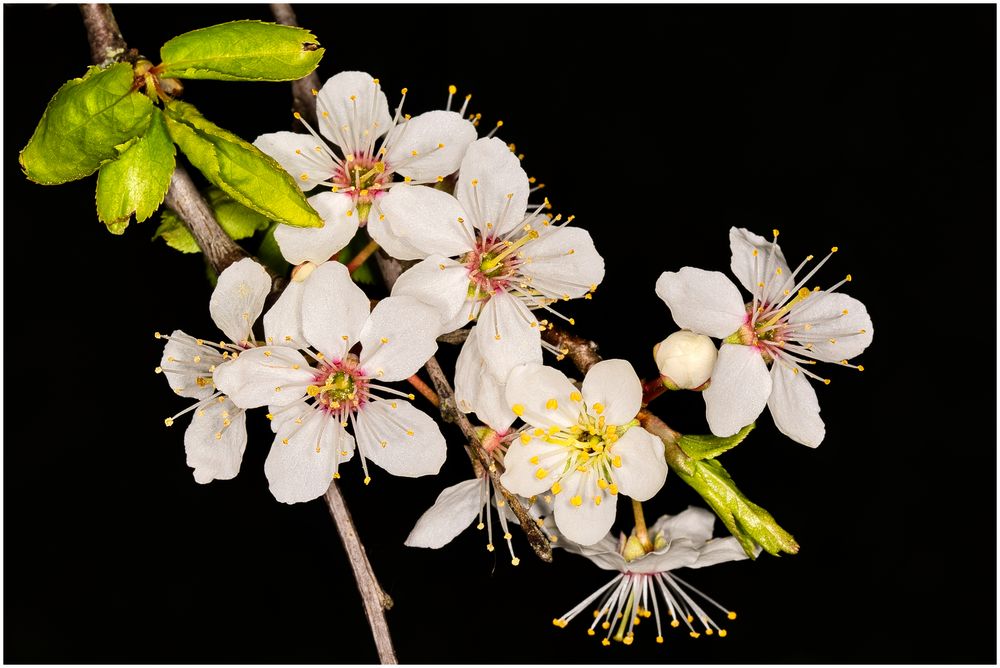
(457, 337)
(184, 198)
(303, 99)
(450, 413)
(106, 42)
(580, 351)
(375, 600)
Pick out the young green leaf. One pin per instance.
(235, 220)
(138, 180)
(270, 254)
(175, 233)
(242, 51)
(239, 168)
(84, 123)
(708, 446)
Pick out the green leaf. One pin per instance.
(239, 168)
(238, 221)
(270, 254)
(138, 180)
(748, 522)
(175, 233)
(242, 51)
(708, 446)
(84, 124)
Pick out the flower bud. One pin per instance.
(685, 360)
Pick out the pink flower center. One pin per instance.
(340, 385)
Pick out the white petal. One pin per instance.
(644, 468)
(334, 310)
(695, 524)
(768, 267)
(283, 321)
(720, 551)
(836, 316)
(303, 469)
(238, 298)
(523, 476)
(794, 406)
(477, 390)
(424, 134)
(319, 244)
(587, 523)
(498, 200)
(504, 337)
(298, 155)
(543, 396)
(216, 458)
(413, 446)
(427, 219)
(564, 262)
(393, 244)
(353, 110)
(679, 554)
(398, 338)
(453, 511)
(266, 375)
(739, 390)
(705, 302)
(186, 377)
(442, 284)
(615, 385)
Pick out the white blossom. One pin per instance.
(311, 405)
(489, 259)
(785, 324)
(353, 114)
(646, 586)
(217, 436)
(583, 446)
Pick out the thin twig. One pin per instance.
(376, 601)
(425, 390)
(106, 42)
(303, 98)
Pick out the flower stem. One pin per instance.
(652, 389)
(360, 258)
(425, 389)
(641, 532)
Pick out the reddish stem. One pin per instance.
(425, 389)
(652, 389)
(360, 258)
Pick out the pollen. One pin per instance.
(518, 409)
(577, 500)
(575, 396)
(598, 408)
(541, 473)
(556, 487)
(552, 404)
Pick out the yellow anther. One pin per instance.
(404, 91)
(723, 633)
(553, 430)
(384, 340)
(575, 396)
(168, 421)
(617, 461)
(597, 500)
(731, 615)
(606, 626)
(284, 441)
(157, 335)
(158, 369)
(848, 278)
(709, 631)
(368, 479)
(409, 432)
(826, 381)
(314, 91)
(598, 408)
(577, 500)
(518, 409)
(304, 176)
(336, 476)
(627, 640)
(270, 416)
(489, 547)
(515, 561)
(659, 640)
(541, 473)
(602, 483)
(613, 489)
(694, 634)
(834, 249)
(675, 623)
(499, 124)
(861, 368)
(605, 642)
(775, 232)
(552, 404)
(556, 487)
(297, 116)
(591, 632)
(534, 460)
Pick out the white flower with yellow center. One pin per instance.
(584, 446)
(785, 324)
(353, 115)
(491, 259)
(217, 436)
(645, 585)
(312, 403)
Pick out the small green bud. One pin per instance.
(633, 549)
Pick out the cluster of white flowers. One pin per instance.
(487, 256)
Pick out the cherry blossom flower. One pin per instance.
(310, 405)
(490, 259)
(645, 580)
(354, 115)
(217, 436)
(785, 325)
(584, 445)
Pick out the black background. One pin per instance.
(867, 127)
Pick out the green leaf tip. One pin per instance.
(239, 168)
(236, 220)
(242, 51)
(709, 446)
(137, 181)
(84, 124)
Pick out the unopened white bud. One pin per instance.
(685, 360)
(302, 271)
